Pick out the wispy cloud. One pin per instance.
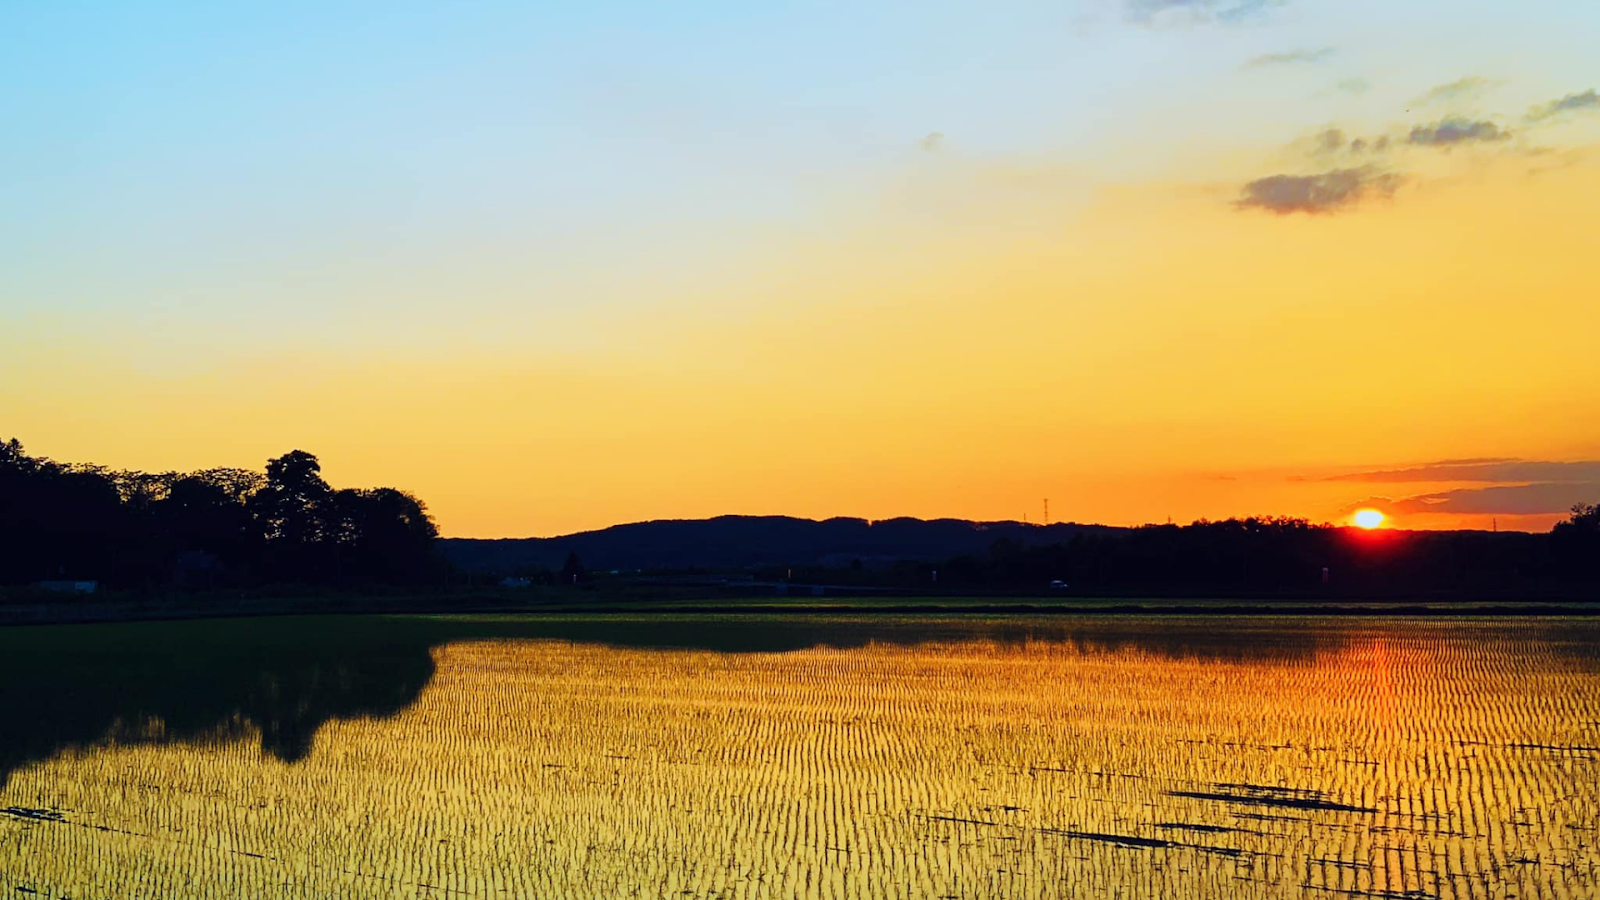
(1548, 159)
(1453, 131)
(1587, 101)
(1292, 57)
(1460, 89)
(1327, 192)
(1227, 12)
(1375, 145)
(1333, 141)
(1329, 141)
(1496, 470)
(1352, 86)
(1358, 167)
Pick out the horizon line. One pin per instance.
(985, 522)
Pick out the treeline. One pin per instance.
(1267, 554)
(1259, 555)
(233, 527)
(212, 528)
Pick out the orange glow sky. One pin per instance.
(546, 305)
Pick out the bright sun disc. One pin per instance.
(1369, 518)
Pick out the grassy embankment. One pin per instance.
(33, 607)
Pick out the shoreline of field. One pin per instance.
(90, 611)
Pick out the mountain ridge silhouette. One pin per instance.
(735, 541)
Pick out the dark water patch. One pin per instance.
(1272, 797)
(1268, 789)
(1340, 863)
(1189, 826)
(32, 815)
(1118, 840)
(1379, 895)
(1564, 749)
(961, 821)
(1268, 817)
(1143, 843)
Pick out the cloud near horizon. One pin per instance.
(1326, 192)
(1516, 487)
(1503, 500)
(1493, 470)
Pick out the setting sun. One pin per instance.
(1369, 518)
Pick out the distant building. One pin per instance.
(68, 587)
(516, 582)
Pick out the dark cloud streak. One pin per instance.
(1497, 471)
(1452, 132)
(1327, 192)
(1587, 101)
(1508, 500)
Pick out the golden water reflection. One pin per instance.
(1393, 759)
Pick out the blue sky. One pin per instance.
(153, 143)
(203, 200)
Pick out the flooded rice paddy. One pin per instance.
(801, 758)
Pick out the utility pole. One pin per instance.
(1047, 510)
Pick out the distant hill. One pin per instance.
(738, 542)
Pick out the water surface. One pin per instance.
(801, 757)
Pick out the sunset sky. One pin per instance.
(554, 266)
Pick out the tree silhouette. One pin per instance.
(293, 506)
(381, 533)
(133, 529)
(573, 572)
(1575, 543)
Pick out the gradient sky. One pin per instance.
(556, 266)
